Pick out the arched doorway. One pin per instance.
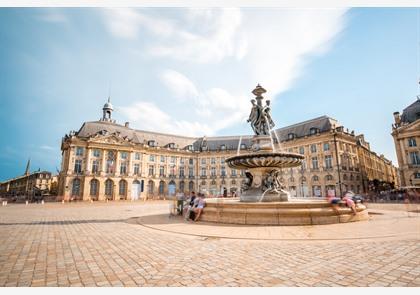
(150, 188)
(94, 189)
(182, 186)
(122, 189)
(109, 186)
(135, 190)
(161, 188)
(171, 188)
(75, 188)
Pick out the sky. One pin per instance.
(191, 71)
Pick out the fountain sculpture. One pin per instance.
(264, 200)
(263, 163)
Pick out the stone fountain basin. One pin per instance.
(268, 159)
(295, 212)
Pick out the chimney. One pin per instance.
(127, 124)
(397, 118)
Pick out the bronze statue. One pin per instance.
(260, 117)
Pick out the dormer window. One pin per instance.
(291, 136)
(204, 148)
(151, 143)
(313, 130)
(223, 147)
(171, 145)
(190, 147)
(243, 146)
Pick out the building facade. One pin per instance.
(106, 160)
(406, 134)
(28, 186)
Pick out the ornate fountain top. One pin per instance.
(260, 117)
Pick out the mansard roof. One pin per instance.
(89, 129)
(302, 129)
(411, 113)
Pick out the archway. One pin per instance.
(94, 189)
(75, 188)
(109, 186)
(135, 190)
(171, 188)
(161, 188)
(122, 189)
(150, 188)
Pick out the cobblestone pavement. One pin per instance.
(106, 245)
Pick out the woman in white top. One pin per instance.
(200, 206)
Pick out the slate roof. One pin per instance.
(411, 113)
(323, 124)
(301, 129)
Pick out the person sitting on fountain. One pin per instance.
(200, 206)
(334, 201)
(350, 203)
(190, 205)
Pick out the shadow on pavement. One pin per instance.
(65, 222)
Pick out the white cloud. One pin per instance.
(147, 116)
(180, 85)
(226, 52)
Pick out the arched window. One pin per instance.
(171, 188)
(345, 177)
(182, 186)
(291, 179)
(108, 187)
(315, 178)
(122, 188)
(150, 187)
(233, 182)
(94, 187)
(75, 189)
(290, 136)
(161, 187)
(329, 177)
(191, 186)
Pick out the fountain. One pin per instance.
(264, 199)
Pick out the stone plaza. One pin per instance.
(139, 243)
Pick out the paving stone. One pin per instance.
(96, 245)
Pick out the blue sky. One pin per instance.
(191, 71)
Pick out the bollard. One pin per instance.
(62, 201)
(26, 203)
(42, 202)
(91, 200)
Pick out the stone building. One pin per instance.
(27, 186)
(406, 134)
(336, 160)
(106, 160)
